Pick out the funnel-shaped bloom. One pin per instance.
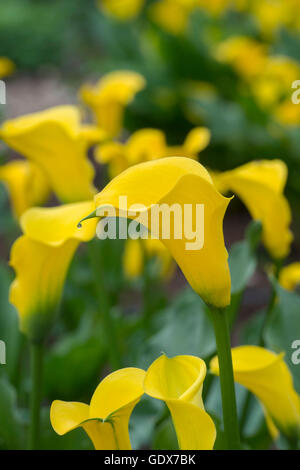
(267, 376)
(106, 419)
(149, 144)
(41, 259)
(183, 187)
(56, 141)
(260, 185)
(26, 183)
(109, 97)
(122, 10)
(178, 382)
(6, 67)
(289, 276)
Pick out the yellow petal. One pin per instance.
(144, 145)
(170, 15)
(260, 185)
(123, 10)
(113, 154)
(55, 225)
(66, 416)
(289, 276)
(267, 376)
(55, 141)
(196, 141)
(109, 97)
(133, 258)
(178, 180)
(178, 381)
(7, 67)
(26, 183)
(40, 275)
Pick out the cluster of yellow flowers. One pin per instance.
(55, 143)
(178, 381)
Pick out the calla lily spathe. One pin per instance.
(260, 185)
(109, 97)
(106, 419)
(179, 180)
(56, 141)
(289, 276)
(41, 258)
(149, 144)
(267, 376)
(26, 183)
(178, 381)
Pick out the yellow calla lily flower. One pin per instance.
(41, 259)
(178, 381)
(260, 185)
(123, 10)
(7, 67)
(179, 181)
(56, 141)
(247, 56)
(149, 144)
(267, 376)
(106, 419)
(110, 95)
(134, 257)
(289, 276)
(26, 184)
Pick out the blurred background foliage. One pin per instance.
(188, 84)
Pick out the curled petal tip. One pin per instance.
(90, 216)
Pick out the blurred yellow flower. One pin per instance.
(247, 56)
(122, 10)
(288, 113)
(267, 376)
(41, 258)
(7, 67)
(149, 144)
(273, 14)
(56, 141)
(179, 180)
(109, 97)
(137, 251)
(106, 419)
(260, 185)
(26, 183)
(178, 381)
(289, 276)
(172, 15)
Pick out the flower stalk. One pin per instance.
(36, 353)
(231, 429)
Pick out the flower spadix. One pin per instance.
(26, 183)
(56, 141)
(109, 97)
(41, 258)
(106, 419)
(178, 181)
(260, 186)
(178, 381)
(267, 376)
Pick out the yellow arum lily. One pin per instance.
(178, 381)
(122, 10)
(246, 55)
(171, 183)
(260, 185)
(267, 376)
(172, 15)
(41, 259)
(149, 144)
(106, 419)
(6, 67)
(109, 97)
(289, 276)
(56, 141)
(26, 184)
(137, 250)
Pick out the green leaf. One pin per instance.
(11, 425)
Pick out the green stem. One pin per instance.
(36, 353)
(220, 322)
(103, 299)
